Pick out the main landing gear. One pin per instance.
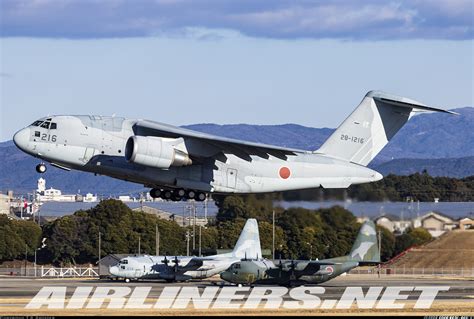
(177, 194)
(41, 168)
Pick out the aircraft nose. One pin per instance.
(225, 276)
(21, 138)
(113, 270)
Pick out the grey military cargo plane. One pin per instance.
(365, 251)
(185, 268)
(177, 163)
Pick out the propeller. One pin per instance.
(292, 267)
(165, 261)
(280, 267)
(176, 263)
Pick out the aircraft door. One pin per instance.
(231, 178)
(88, 154)
(107, 137)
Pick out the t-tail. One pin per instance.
(248, 244)
(366, 246)
(370, 126)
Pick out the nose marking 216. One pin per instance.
(48, 137)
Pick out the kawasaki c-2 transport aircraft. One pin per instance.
(177, 163)
(182, 268)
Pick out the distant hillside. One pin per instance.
(287, 135)
(452, 250)
(419, 138)
(427, 136)
(434, 135)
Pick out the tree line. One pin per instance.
(299, 233)
(418, 187)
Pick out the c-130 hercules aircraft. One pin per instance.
(177, 163)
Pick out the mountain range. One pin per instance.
(440, 143)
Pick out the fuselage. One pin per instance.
(163, 267)
(268, 272)
(96, 144)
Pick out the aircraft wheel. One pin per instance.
(176, 198)
(155, 192)
(41, 168)
(190, 194)
(200, 196)
(167, 195)
(180, 192)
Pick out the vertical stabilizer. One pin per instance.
(248, 244)
(366, 246)
(370, 126)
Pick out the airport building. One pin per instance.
(4, 204)
(393, 223)
(45, 195)
(435, 223)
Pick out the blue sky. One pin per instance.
(260, 62)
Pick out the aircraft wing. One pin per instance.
(240, 148)
(193, 264)
(299, 268)
(314, 266)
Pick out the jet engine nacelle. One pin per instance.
(155, 152)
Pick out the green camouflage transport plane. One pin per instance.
(365, 251)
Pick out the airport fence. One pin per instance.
(411, 271)
(50, 272)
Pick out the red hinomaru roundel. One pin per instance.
(285, 172)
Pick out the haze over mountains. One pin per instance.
(441, 143)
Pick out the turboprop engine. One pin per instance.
(156, 152)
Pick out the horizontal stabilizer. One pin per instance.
(412, 105)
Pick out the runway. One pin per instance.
(16, 293)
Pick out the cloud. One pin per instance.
(281, 19)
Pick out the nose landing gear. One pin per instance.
(41, 168)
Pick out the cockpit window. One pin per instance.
(45, 125)
(36, 123)
(53, 126)
(124, 262)
(237, 266)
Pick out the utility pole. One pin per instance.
(380, 251)
(273, 238)
(26, 256)
(157, 234)
(200, 234)
(99, 244)
(380, 241)
(194, 226)
(36, 249)
(187, 242)
(139, 244)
